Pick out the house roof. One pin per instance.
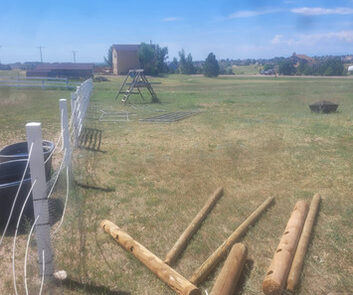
(304, 57)
(64, 66)
(126, 47)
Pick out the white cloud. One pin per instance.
(277, 39)
(252, 13)
(170, 19)
(315, 39)
(322, 11)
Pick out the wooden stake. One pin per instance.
(205, 269)
(163, 271)
(277, 273)
(227, 280)
(297, 264)
(181, 243)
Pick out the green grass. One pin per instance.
(254, 136)
(20, 106)
(247, 70)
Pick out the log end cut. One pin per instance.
(271, 287)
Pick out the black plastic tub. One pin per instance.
(324, 106)
(10, 178)
(19, 151)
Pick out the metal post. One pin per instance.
(65, 132)
(40, 201)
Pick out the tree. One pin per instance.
(286, 67)
(268, 67)
(211, 67)
(173, 66)
(186, 65)
(182, 62)
(109, 58)
(152, 58)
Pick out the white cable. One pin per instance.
(57, 175)
(26, 254)
(43, 271)
(14, 238)
(66, 199)
(16, 196)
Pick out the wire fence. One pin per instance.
(42, 189)
(37, 82)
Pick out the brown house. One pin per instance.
(125, 58)
(298, 58)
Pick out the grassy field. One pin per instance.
(254, 136)
(247, 70)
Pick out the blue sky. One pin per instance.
(230, 29)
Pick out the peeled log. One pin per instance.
(227, 280)
(277, 273)
(181, 243)
(205, 269)
(163, 271)
(297, 264)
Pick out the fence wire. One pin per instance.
(81, 99)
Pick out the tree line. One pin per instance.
(153, 59)
(331, 66)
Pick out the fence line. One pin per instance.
(79, 104)
(41, 82)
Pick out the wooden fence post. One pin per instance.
(181, 243)
(211, 262)
(40, 200)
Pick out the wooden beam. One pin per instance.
(181, 243)
(298, 260)
(227, 280)
(277, 273)
(163, 271)
(205, 269)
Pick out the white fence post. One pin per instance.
(80, 100)
(74, 111)
(65, 132)
(40, 200)
(73, 97)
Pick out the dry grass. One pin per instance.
(257, 138)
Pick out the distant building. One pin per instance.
(350, 69)
(298, 58)
(125, 58)
(62, 70)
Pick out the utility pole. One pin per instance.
(74, 55)
(40, 52)
(0, 48)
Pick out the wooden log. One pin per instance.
(181, 243)
(162, 270)
(211, 262)
(277, 273)
(227, 280)
(298, 260)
